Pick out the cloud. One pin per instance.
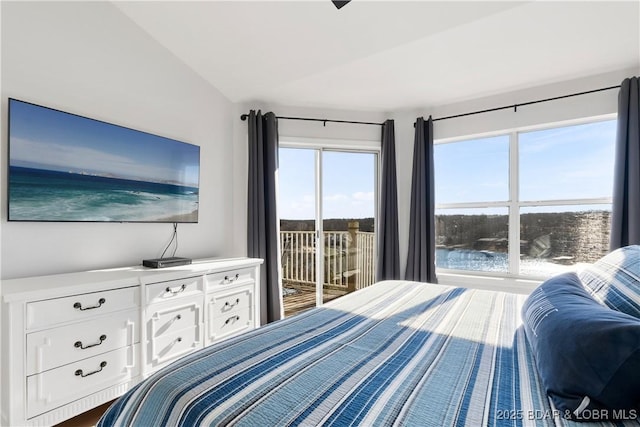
(357, 205)
(364, 196)
(68, 157)
(302, 207)
(61, 155)
(335, 198)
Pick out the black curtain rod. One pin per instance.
(243, 117)
(515, 106)
(325, 121)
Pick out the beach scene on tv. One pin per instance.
(64, 167)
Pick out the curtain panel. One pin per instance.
(388, 266)
(262, 218)
(422, 236)
(625, 216)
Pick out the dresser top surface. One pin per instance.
(56, 285)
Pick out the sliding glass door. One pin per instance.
(348, 221)
(327, 204)
(298, 231)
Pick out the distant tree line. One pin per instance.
(333, 224)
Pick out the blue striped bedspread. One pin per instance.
(396, 353)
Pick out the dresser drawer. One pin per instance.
(166, 291)
(51, 348)
(238, 321)
(231, 277)
(169, 347)
(63, 385)
(224, 302)
(80, 307)
(169, 319)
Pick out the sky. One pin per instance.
(554, 164)
(55, 140)
(348, 184)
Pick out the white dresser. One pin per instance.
(74, 341)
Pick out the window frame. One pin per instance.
(514, 204)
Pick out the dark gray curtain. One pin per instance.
(625, 218)
(421, 264)
(262, 218)
(388, 266)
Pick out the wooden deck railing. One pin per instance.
(348, 258)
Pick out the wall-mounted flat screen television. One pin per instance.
(65, 167)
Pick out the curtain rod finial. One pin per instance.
(244, 117)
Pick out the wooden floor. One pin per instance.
(305, 299)
(87, 419)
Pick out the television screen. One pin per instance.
(64, 167)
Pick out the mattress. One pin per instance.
(395, 353)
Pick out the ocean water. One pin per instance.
(42, 195)
(467, 259)
(472, 260)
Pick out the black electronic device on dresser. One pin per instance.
(165, 262)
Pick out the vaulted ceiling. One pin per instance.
(390, 55)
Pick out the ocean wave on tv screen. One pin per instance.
(57, 196)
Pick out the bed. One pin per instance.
(395, 353)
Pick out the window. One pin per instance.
(473, 239)
(473, 171)
(529, 203)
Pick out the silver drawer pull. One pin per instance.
(227, 279)
(232, 319)
(79, 305)
(80, 374)
(226, 304)
(177, 290)
(79, 344)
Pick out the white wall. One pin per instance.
(90, 59)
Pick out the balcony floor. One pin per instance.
(305, 298)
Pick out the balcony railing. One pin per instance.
(348, 259)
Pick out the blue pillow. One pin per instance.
(614, 280)
(587, 355)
